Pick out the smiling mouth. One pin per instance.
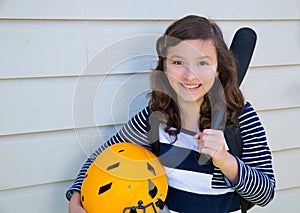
(192, 86)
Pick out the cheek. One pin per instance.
(209, 76)
(210, 73)
(209, 81)
(174, 74)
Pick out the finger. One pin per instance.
(211, 142)
(207, 150)
(207, 144)
(210, 132)
(197, 136)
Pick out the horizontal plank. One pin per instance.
(39, 159)
(270, 46)
(140, 45)
(47, 104)
(27, 47)
(40, 48)
(69, 48)
(43, 198)
(272, 87)
(47, 157)
(280, 126)
(70, 148)
(287, 176)
(50, 198)
(284, 201)
(132, 9)
(36, 105)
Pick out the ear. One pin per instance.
(217, 73)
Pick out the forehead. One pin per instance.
(193, 49)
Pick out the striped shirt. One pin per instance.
(203, 188)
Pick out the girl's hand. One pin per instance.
(212, 142)
(75, 204)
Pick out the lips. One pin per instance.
(190, 86)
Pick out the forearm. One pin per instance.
(76, 187)
(75, 204)
(230, 168)
(75, 200)
(129, 132)
(254, 185)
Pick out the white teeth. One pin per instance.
(191, 86)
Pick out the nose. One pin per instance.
(189, 74)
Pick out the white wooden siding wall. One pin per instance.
(55, 110)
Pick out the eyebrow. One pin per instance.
(201, 57)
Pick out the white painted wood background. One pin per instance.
(70, 70)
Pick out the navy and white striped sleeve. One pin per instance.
(134, 131)
(256, 176)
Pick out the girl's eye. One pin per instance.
(177, 62)
(203, 63)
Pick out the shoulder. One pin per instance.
(249, 114)
(140, 119)
(248, 107)
(250, 123)
(142, 115)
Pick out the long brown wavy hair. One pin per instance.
(163, 97)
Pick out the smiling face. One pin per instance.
(191, 67)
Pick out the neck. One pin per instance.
(190, 114)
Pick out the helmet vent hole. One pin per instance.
(151, 169)
(104, 188)
(152, 189)
(121, 150)
(113, 166)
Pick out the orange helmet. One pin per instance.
(125, 177)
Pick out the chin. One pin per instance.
(191, 99)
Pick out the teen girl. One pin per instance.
(193, 59)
